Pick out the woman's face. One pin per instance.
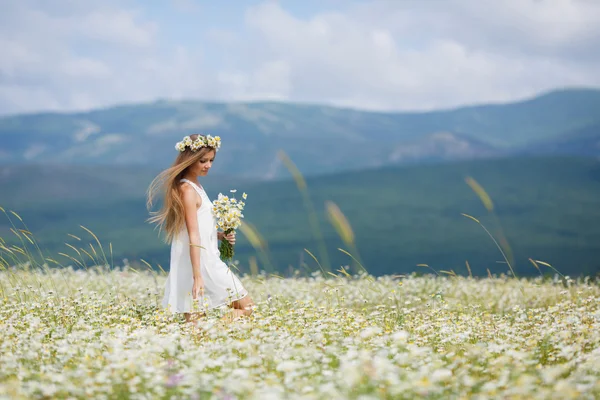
(205, 163)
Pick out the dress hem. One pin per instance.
(222, 304)
(212, 307)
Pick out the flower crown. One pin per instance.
(201, 141)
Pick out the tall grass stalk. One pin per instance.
(258, 242)
(499, 248)
(489, 205)
(495, 242)
(343, 228)
(37, 264)
(312, 215)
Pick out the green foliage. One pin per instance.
(400, 217)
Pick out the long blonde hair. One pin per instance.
(171, 216)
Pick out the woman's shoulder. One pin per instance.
(184, 185)
(186, 189)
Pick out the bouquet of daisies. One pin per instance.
(228, 212)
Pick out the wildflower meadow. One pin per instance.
(100, 333)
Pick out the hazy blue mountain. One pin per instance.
(43, 185)
(319, 139)
(402, 216)
(581, 142)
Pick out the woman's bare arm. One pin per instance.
(190, 204)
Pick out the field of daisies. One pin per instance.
(100, 333)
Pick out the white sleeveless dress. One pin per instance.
(221, 285)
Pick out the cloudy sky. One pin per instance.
(378, 55)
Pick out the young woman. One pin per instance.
(196, 270)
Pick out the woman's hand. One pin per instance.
(230, 238)
(198, 288)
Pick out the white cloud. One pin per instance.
(83, 67)
(269, 81)
(543, 26)
(380, 54)
(34, 151)
(118, 27)
(54, 59)
(430, 54)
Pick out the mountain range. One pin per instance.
(319, 139)
(401, 216)
(398, 177)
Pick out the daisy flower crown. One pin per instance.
(201, 141)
